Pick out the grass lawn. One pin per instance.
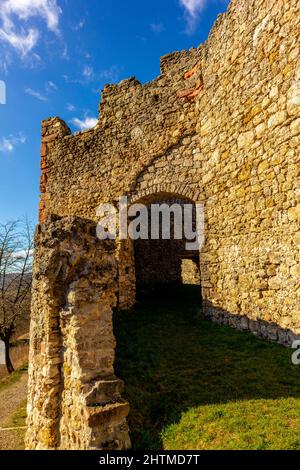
(195, 385)
(18, 419)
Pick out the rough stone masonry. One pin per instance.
(220, 126)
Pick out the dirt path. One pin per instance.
(11, 399)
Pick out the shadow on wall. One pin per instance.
(260, 328)
(173, 360)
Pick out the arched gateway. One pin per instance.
(220, 125)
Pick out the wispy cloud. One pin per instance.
(110, 75)
(157, 27)
(88, 72)
(70, 107)
(50, 86)
(87, 55)
(8, 144)
(83, 124)
(23, 36)
(79, 25)
(36, 94)
(193, 8)
(65, 53)
(68, 79)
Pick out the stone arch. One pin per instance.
(126, 255)
(178, 190)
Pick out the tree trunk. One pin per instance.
(8, 363)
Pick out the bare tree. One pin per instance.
(16, 248)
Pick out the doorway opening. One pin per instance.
(167, 261)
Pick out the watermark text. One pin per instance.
(152, 222)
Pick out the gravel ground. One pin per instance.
(10, 400)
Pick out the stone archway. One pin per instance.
(178, 190)
(75, 399)
(128, 264)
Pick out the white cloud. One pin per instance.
(50, 86)
(112, 74)
(70, 107)
(24, 38)
(36, 94)
(192, 9)
(7, 144)
(23, 43)
(88, 72)
(157, 27)
(67, 79)
(86, 123)
(65, 53)
(87, 55)
(79, 25)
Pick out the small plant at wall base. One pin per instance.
(16, 246)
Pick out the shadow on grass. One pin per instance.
(172, 360)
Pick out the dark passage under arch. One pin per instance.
(166, 261)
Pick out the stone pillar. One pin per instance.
(74, 398)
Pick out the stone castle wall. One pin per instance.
(234, 146)
(220, 126)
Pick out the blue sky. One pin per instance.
(56, 56)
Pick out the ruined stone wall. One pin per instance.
(220, 125)
(190, 272)
(74, 398)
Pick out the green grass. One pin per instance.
(17, 423)
(19, 417)
(195, 385)
(9, 380)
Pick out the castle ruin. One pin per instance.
(219, 126)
